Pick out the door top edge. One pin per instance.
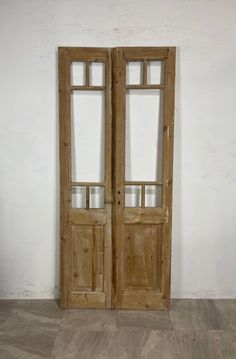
(63, 48)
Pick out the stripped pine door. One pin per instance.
(116, 225)
(86, 199)
(144, 108)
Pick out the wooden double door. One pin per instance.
(116, 160)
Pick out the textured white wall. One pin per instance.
(204, 223)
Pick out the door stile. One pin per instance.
(119, 164)
(64, 116)
(108, 261)
(168, 143)
(113, 81)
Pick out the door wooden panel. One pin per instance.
(116, 255)
(142, 256)
(87, 249)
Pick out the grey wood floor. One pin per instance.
(201, 329)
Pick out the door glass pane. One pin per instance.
(78, 197)
(153, 196)
(97, 74)
(78, 73)
(133, 73)
(132, 196)
(143, 142)
(96, 197)
(155, 72)
(87, 136)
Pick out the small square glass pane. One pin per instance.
(96, 197)
(132, 196)
(78, 197)
(78, 73)
(97, 74)
(153, 196)
(155, 72)
(133, 73)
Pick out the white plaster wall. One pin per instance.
(204, 223)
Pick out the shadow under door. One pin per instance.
(116, 160)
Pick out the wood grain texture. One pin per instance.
(81, 261)
(116, 248)
(108, 255)
(87, 258)
(119, 169)
(87, 299)
(135, 236)
(86, 250)
(144, 216)
(142, 53)
(83, 217)
(142, 255)
(145, 87)
(168, 143)
(64, 121)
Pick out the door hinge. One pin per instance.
(166, 215)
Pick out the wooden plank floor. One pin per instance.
(201, 329)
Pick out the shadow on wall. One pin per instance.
(57, 187)
(177, 238)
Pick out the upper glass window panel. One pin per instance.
(87, 136)
(144, 120)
